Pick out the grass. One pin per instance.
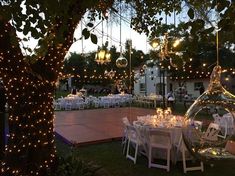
(109, 156)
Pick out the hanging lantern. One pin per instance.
(121, 62)
(214, 111)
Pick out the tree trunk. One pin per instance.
(31, 147)
(30, 90)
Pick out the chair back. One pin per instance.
(217, 118)
(131, 132)
(212, 132)
(141, 132)
(126, 121)
(160, 136)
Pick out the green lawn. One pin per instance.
(109, 156)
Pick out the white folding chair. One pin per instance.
(80, 104)
(159, 139)
(229, 118)
(187, 156)
(222, 122)
(68, 105)
(126, 123)
(96, 102)
(211, 133)
(57, 105)
(132, 138)
(141, 132)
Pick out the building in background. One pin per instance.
(149, 81)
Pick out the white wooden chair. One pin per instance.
(126, 123)
(211, 133)
(57, 105)
(80, 104)
(133, 140)
(159, 139)
(66, 104)
(221, 121)
(141, 132)
(96, 102)
(187, 156)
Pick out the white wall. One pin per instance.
(151, 77)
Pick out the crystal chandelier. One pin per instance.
(103, 56)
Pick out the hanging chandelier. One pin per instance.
(102, 56)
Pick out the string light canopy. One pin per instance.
(121, 62)
(209, 142)
(103, 56)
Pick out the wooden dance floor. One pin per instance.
(96, 125)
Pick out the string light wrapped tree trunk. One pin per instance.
(30, 82)
(30, 90)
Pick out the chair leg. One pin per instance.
(152, 164)
(226, 131)
(202, 166)
(184, 160)
(168, 160)
(124, 145)
(136, 152)
(133, 158)
(128, 148)
(150, 157)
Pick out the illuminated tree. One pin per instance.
(30, 81)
